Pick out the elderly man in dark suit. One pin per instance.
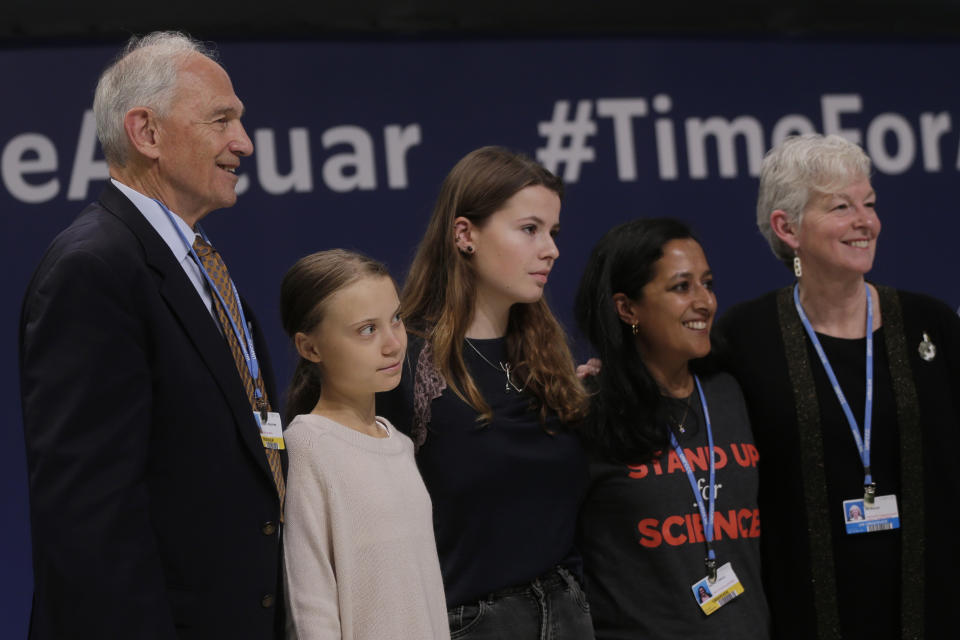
(155, 461)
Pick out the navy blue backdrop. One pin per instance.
(353, 139)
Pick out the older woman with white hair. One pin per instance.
(854, 395)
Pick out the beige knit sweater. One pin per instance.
(360, 560)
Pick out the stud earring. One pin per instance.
(797, 267)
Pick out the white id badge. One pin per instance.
(271, 431)
(860, 517)
(725, 588)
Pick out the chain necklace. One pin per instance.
(681, 424)
(506, 367)
(686, 411)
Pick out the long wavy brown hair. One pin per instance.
(440, 291)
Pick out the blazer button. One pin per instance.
(267, 601)
(269, 528)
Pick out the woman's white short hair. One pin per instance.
(796, 170)
(143, 75)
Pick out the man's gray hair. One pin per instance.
(143, 75)
(798, 169)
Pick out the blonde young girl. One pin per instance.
(360, 558)
(488, 395)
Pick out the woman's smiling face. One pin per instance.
(675, 311)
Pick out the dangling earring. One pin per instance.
(635, 327)
(797, 268)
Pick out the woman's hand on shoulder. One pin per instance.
(589, 368)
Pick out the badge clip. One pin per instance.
(711, 565)
(869, 493)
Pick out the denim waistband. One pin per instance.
(552, 580)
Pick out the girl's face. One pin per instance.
(514, 249)
(676, 308)
(360, 343)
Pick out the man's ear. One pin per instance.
(307, 347)
(786, 230)
(626, 308)
(143, 131)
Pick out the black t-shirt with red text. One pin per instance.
(641, 534)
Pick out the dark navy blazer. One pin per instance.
(153, 510)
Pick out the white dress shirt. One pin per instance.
(160, 222)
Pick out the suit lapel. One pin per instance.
(199, 325)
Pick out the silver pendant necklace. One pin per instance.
(506, 367)
(681, 426)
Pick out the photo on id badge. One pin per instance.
(702, 591)
(855, 510)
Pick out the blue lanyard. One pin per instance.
(244, 337)
(863, 444)
(706, 513)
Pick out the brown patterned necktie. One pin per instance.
(217, 270)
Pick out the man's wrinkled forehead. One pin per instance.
(207, 84)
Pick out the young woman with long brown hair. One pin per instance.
(488, 394)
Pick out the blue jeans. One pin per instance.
(552, 607)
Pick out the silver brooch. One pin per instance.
(928, 351)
